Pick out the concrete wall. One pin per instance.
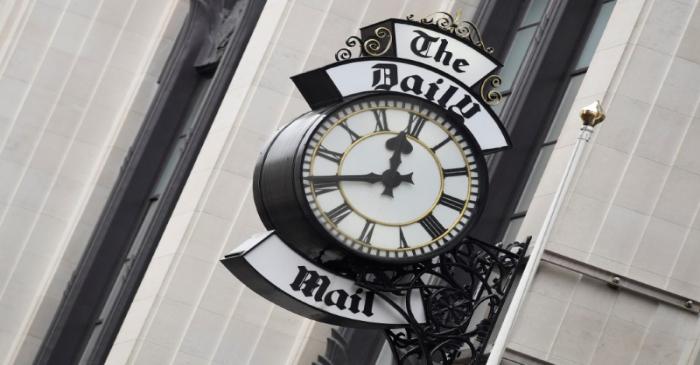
(189, 309)
(633, 207)
(76, 77)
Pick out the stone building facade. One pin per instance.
(620, 278)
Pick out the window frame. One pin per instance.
(529, 112)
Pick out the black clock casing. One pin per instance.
(278, 188)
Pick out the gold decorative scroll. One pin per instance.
(374, 46)
(461, 28)
(488, 90)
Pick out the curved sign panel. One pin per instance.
(332, 83)
(272, 269)
(442, 51)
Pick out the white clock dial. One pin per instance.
(390, 177)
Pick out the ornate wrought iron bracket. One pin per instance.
(376, 40)
(372, 46)
(461, 28)
(463, 291)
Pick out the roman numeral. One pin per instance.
(329, 155)
(437, 146)
(325, 187)
(338, 213)
(451, 202)
(353, 136)
(454, 172)
(415, 125)
(380, 119)
(432, 226)
(402, 239)
(367, 231)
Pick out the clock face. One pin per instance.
(391, 177)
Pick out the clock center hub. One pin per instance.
(416, 184)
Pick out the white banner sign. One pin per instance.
(446, 53)
(371, 74)
(268, 266)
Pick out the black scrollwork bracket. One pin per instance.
(346, 53)
(461, 28)
(377, 45)
(463, 291)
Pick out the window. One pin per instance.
(521, 43)
(538, 89)
(573, 83)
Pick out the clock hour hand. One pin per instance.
(400, 145)
(391, 179)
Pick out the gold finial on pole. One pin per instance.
(592, 114)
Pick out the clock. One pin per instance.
(381, 177)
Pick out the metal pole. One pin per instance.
(591, 116)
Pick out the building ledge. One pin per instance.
(617, 281)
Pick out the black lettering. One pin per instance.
(325, 187)
(447, 95)
(466, 101)
(384, 76)
(432, 89)
(415, 124)
(329, 155)
(457, 66)
(420, 45)
(454, 172)
(353, 136)
(432, 225)
(339, 213)
(437, 146)
(308, 281)
(442, 55)
(402, 239)
(369, 301)
(367, 231)
(339, 301)
(380, 118)
(451, 202)
(416, 86)
(470, 113)
(355, 301)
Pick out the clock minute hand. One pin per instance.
(369, 178)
